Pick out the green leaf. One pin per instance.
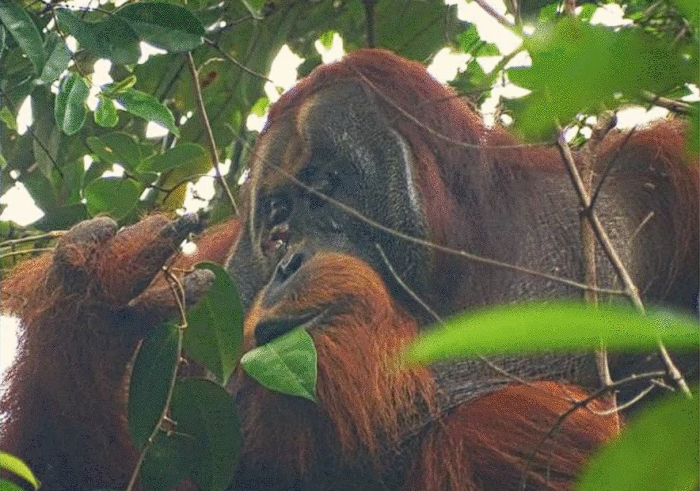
(254, 6)
(6, 485)
(690, 10)
(8, 118)
(111, 90)
(471, 79)
(18, 22)
(163, 25)
(468, 39)
(116, 148)
(576, 67)
(70, 109)
(470, 42)
(147, 107)
(113, 196)
(326, 39)
(214, 333)
(95, 171)
(287, 364)
(14, 465)
(587, 11)
(157, 358)
(178, 166)
(414, 29)
(559, 326)
(657, 451)
(106, 113)
(48, 135)
(206, 411)
(261, 106)
(188, 155)
(486, 49)
(112, 38)
(168, 461)
(59, 58)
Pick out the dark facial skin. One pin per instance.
(338, 145)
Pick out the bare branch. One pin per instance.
(24, 252)
(610, 165)
(588, 238)
(628, 404)
(214, 155)
(236, 62)
(498, 17)
(50, 235)
(631, 291)
(673, 105)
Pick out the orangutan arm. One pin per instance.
(83, 310)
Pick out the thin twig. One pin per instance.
(431, 245)
(197, 89)
(64, 37)
(423, 304)
(477, 90)
(610, 165)
(32, 133)
(576, 405)
(236, 62)
(28, 251)
(588, 238)
(630, 289)
(498, 17)
(628, 404)
(179, 294)
(673, 105)
(434, 132)
(640, 227)
(50, 235)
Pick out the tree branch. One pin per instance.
(630, 289)
(197, 89)
(588, 238)
(673, 105)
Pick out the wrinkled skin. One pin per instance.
(354, 157)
